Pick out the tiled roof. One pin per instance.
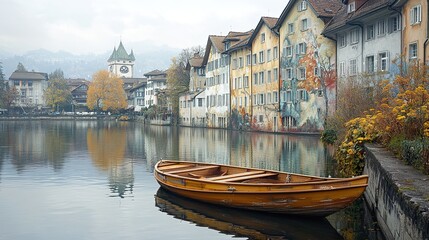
(325, 8)
(322, 8)
(155, 72)
(269, 21)
(217, 42)
(238, 39)
(342, 17)
(121, 54)
(19, 75)
(196, 61)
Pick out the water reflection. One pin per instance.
(240, 223)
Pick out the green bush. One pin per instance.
(329, 136)
(413, 152)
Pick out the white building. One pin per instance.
(368, 35)
(217, 82)
(121, 63)
(30, 86)
(156, 81)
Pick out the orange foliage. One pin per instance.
(106, 92)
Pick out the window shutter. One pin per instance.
(412, 16)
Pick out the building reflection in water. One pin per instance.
(106, 146)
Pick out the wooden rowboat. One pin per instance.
(258, 189)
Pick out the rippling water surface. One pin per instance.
(93, 180)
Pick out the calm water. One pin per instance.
(93, 180)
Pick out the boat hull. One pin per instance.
(315, 199)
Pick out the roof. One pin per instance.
(196, 61)
(241, 40)
(322, 9)
(155, 72)
(133, 80)
(139, 85)
(76, 81)
(215, 41)
(20, 75)
(269, 21)
(121, 54)
(342, 18)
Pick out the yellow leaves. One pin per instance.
(106, 92)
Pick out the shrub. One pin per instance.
(329, 136)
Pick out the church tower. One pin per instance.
(121, 63)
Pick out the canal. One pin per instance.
(94, 180)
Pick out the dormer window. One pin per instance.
(302, 6)
(351, 7)
(227, 45)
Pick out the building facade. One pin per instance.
(30, 86)
(308, 79)
(192, 104)
(239, 52)
(156, 82)
(265, 76)
(217, 82)
(368, 35)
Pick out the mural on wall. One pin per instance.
(307, 100)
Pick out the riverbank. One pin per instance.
(397, 194)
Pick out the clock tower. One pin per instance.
(121, 63)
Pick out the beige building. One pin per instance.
(239, 52)
(415, 30)
(265, 76)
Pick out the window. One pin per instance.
(289, 74)
(275, 53)
(393, 24)
(370, 32)
(275, 74)
(240, 83)
(269, 76)
(246, 81)
(413, 51)
(288, 51)
(269, 98)
(261, 57)
(353, 67)
(262, 37)
(254, 59)
(351, 7)
(248, 59)
(381, 27)
(268, 55)
(275, 97)
(234, 63)
(261, 99)
(301, 73)
(240, 62)
(261, 117)
(290, 28)
(370, 64)
(303, 95)
(383, 59)
(255, 78)
(317, 71)
(354, 36)
(342, 69)
(301, 48)
(302, 6)
(342, 40)
(261, 77)
(304, 24)
(416, 15)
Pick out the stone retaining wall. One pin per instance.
(398, 195)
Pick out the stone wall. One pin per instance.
(398, 195)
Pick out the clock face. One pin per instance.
(124, 69)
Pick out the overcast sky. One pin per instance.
(96, 26)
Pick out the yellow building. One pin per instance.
(265, 76)
(415, 34)
(239, 52)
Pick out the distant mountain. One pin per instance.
(84, 66)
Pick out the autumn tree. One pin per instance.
(57, 93)
(178, 77)
(106, 92)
